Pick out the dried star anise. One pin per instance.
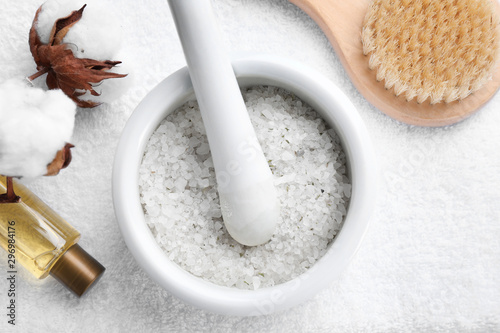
(74, 76)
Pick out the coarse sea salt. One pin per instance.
(181, 205)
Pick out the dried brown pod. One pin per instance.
(74, 76)
(61, 161)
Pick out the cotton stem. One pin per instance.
(10, 196)
(39, 73)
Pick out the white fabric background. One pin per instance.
(431, 258)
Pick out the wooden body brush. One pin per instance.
(451, 50)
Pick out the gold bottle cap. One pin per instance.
(77, 270)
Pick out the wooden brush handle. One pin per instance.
(342, 22)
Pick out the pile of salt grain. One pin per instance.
(181, 205)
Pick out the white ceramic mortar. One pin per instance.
(336, 110)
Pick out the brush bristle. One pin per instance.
(441, 50)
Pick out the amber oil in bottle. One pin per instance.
(44, 242)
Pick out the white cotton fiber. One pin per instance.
(34, 125)
(98, 34)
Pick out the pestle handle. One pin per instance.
(249, 202)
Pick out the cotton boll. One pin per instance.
(34, 125)
(97, 35)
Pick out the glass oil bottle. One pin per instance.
(43, 242)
